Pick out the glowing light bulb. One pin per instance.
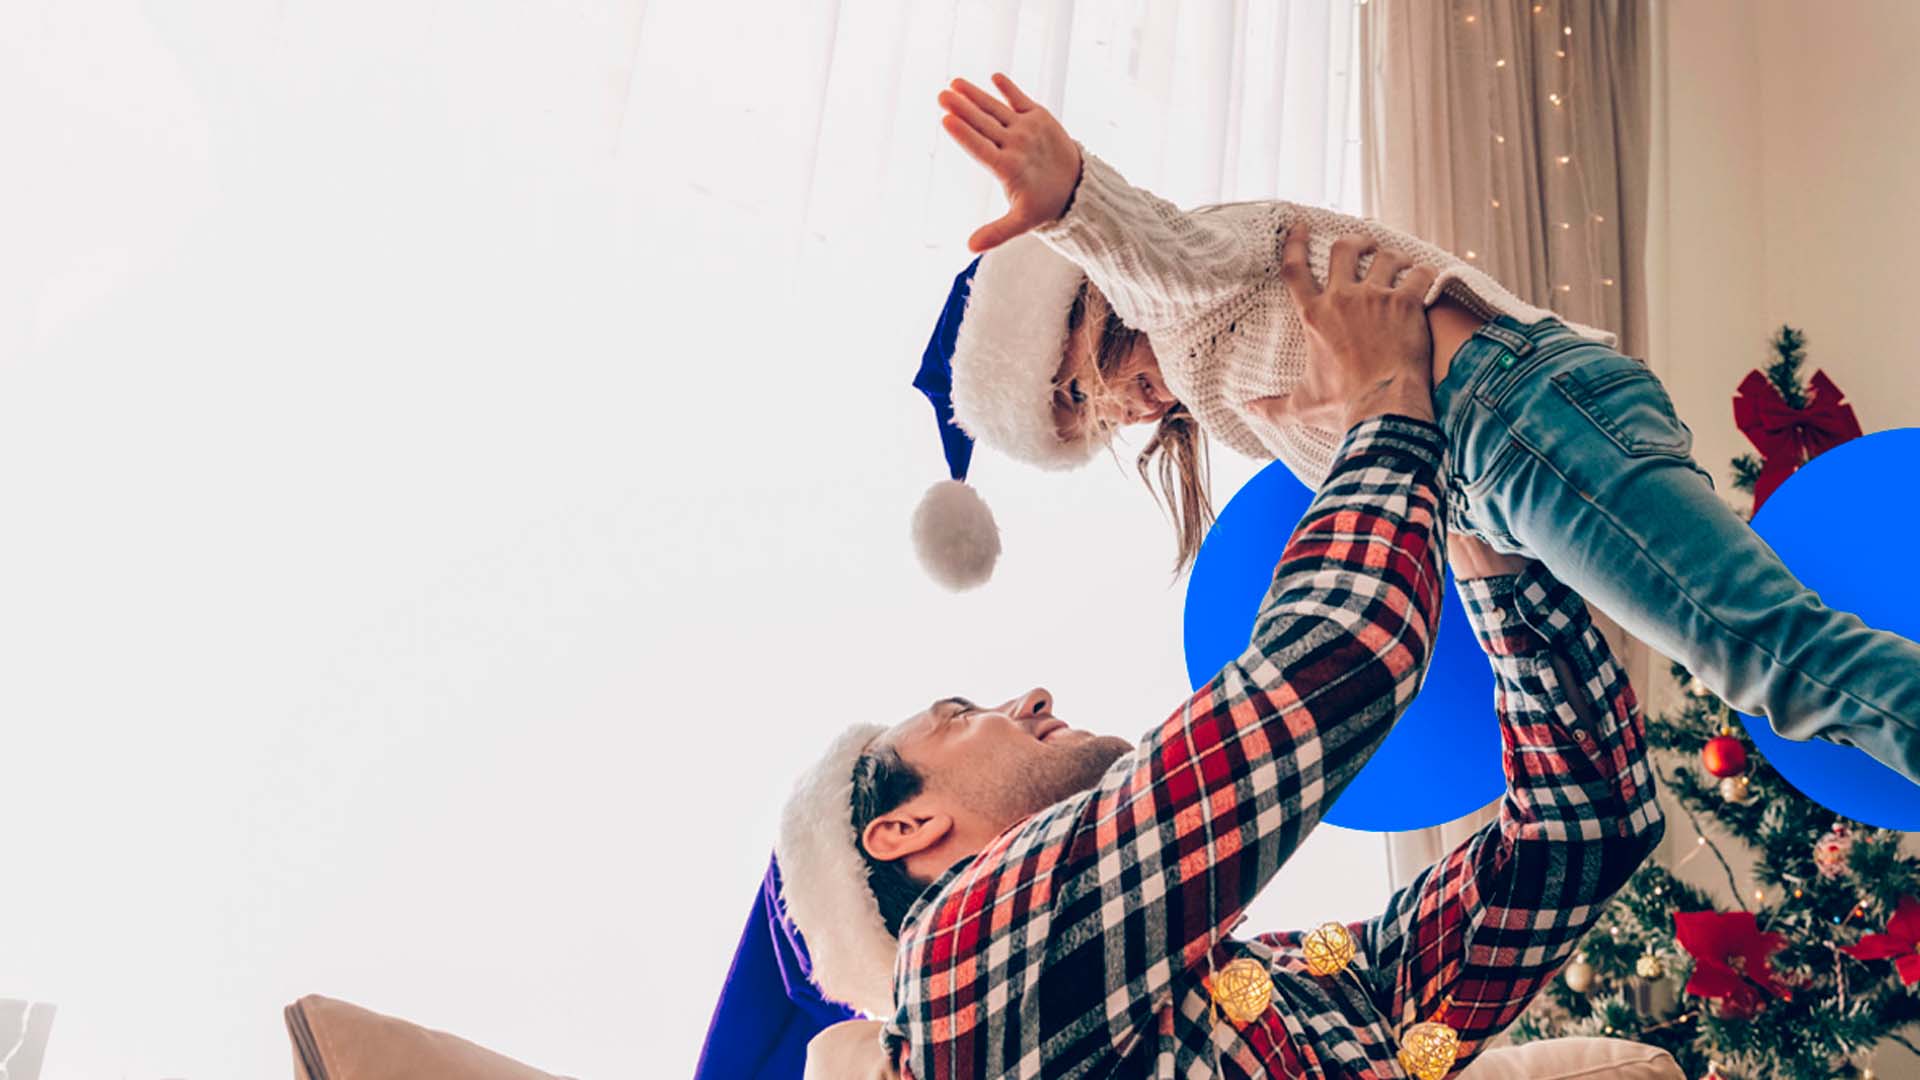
(1566, 288)
(1564, 159)
(1566, 225)
(1473, 18)
(1599, 217)
(1555, 98)
(1609, 281)
(1567, 30)
(1500, 63)
(1496, 204)
(1473, 254)
(1499, 138)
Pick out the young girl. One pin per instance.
(1100, 304)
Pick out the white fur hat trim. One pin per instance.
(823, 881)
(955, 536)
(1008, 349)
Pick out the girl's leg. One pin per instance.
(1593, 478)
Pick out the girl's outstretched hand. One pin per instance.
(1022, 145)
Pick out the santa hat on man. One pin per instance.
(988, 371)
(824, 881)
(815, 945)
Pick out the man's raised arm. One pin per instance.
(1239, 775)
(1488, 925)
(1088, 912)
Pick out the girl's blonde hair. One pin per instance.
(1177, 452)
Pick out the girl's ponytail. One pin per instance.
(1178, 452)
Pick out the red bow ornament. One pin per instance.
(1786, 437)
(1730, 959)
(1901, 942)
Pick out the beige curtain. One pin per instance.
(1515, 133)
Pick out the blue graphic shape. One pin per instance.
(1855, 485)
(1442, 759)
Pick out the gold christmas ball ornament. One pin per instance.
(1243, 990)
(1429, 1050)
(1328, 948)
(1649, 967)
(1578, 975)
(1737, 789)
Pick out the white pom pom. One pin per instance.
(954, 535)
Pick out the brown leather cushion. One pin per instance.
(333, 1040)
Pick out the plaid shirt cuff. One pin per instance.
(1416, 441)
(1525, 613)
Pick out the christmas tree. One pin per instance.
(1809, 968)
(1790, 351)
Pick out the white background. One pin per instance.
(456, 460)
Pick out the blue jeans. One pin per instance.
(1566, 451)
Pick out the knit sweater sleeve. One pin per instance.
(1156, 263)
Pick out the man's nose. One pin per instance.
(1035, 702)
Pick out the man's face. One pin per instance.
(987, 766)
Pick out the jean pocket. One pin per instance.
(1627, 404)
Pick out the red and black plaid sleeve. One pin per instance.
(1489, 924)
(1055, 951)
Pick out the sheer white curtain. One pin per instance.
(1200, 101)
(457, 459)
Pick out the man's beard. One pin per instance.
(1037, 783)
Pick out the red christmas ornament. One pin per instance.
(1901, 942)
(1730, 959)
(1788, 438)
(1724, 756)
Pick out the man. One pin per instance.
(1016, 897)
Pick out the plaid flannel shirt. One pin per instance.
(1081, 940)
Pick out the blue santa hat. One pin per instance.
(988, 372)
(769, 1007)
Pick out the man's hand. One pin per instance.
(1472, 558)
(1368, 348)
(1022, 145)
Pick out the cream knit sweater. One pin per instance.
(1205, 287)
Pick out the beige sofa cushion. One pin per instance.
(1567, 1059)
(851, 1051)
(333, 1040)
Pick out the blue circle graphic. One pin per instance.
(1814, 522)
(1442, 759)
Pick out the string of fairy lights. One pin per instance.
(1558, 101)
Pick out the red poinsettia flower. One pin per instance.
(1730, 958)
(1901, 942)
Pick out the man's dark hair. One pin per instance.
(882, 780)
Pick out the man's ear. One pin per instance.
(905, 832)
